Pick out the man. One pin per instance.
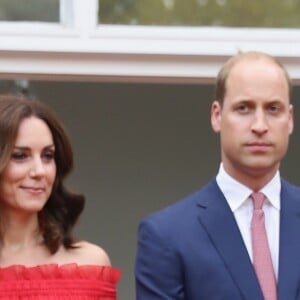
(207, 246)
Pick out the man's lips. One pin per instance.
(259, 146)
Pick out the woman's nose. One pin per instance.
(37, 168)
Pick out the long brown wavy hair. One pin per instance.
(63, 207)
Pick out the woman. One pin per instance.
(39, 258)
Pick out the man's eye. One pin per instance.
(274, 108)
(243, 108)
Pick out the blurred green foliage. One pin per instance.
(230, 13)
(29, 10)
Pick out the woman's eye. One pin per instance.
(49, 155)
(18, 156)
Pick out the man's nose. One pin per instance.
(260, 123)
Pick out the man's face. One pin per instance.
(255, 120)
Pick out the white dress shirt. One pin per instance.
(238, 198)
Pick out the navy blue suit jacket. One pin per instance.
(193, 250)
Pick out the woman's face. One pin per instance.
(27, 180)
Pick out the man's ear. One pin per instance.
(215, 117)
(291, 119)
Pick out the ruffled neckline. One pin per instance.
(56, 271)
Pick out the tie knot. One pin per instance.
(258, 200)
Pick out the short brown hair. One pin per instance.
(220, 90)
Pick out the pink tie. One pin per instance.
(262, 260)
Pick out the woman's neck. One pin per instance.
(20, 231)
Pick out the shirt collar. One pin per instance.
(236, 193)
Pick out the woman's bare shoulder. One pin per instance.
(88, 253)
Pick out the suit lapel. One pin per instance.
(219, 222)
(289, 253)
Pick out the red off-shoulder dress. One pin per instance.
(65, 282)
